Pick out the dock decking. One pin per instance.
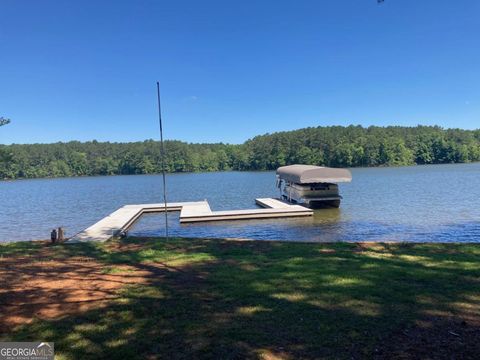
(272, 208)
(121, 219)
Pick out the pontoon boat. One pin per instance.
(312, 186)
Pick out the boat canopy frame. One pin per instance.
(308, 174)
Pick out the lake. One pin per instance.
(438, 203)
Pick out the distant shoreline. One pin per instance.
(333, 146)
(222, 171)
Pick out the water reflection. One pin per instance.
(328, 229)
(419, 203)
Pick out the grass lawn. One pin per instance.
(200, 298)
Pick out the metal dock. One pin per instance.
(121, 219)
(272, 209)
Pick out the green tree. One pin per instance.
(4, 121)
(332, 146)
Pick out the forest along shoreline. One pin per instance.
(336, 146)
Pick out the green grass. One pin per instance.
(228, 299)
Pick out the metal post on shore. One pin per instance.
(162, 159)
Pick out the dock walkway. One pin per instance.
(121, 219)
(272, 208)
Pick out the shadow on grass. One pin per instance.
(225, 299)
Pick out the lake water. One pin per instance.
(419, 203)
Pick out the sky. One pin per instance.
(230, 70)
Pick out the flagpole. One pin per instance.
(162, 157)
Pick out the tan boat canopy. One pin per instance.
(305, 174)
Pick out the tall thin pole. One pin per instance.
(162, 157)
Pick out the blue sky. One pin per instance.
(229, 70)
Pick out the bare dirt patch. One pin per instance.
(40, 287)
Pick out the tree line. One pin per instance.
(336, 146)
